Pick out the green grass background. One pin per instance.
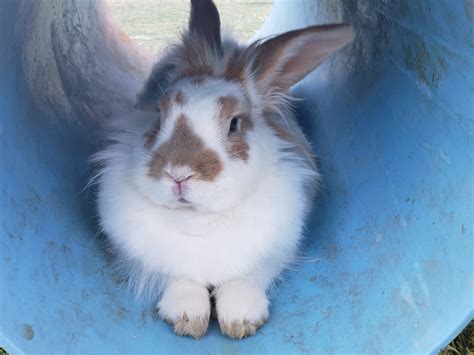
(156, 23)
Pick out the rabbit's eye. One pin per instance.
(234, 125)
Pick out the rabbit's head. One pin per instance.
(220, 125)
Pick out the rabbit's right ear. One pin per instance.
(156, 85)
(204, 22)
(282, 61)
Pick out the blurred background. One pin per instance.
(155, 24)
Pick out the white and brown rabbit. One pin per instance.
(204, 191)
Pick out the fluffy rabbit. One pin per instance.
(204, 190)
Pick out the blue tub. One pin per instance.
(389, 251)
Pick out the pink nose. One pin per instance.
(179, 189)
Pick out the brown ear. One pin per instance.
(284, 60)
(204, 22)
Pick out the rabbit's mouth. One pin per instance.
(184, 201)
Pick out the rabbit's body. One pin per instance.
(255, 238)
(209, 191)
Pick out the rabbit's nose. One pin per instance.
(178, 175)
(181, 179)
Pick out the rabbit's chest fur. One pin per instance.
(258, 236)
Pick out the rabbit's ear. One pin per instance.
(155, 87)
(282, 61)
(205, 23)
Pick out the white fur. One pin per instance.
(241, 300)
(184, 298)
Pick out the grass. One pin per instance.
(154, 24)
(463, 344)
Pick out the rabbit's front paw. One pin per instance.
(241, 308)
(186, 305)
(241, 328)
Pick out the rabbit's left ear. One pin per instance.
(205, 22)
(282, 61)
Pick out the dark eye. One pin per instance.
(234, 125)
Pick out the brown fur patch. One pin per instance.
(185, 148)
(238, 146)
(227, 106)
(198, 81)
(165, 105)
(192, 72)
(235, 69)
(247, 123)
(151, 135)
(280, 130)
(180, 98)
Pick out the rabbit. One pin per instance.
(205, 186)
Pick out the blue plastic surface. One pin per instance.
(389, 251)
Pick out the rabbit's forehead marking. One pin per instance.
(169, 99)
(185, 148)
